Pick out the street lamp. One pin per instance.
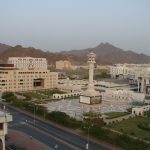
(34, 105)
(56, 146)
(88, 138)
(34, 115)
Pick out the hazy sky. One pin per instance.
(55, 25)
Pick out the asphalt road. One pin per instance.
(54, 137)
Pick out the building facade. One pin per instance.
(127, 70)
(26, 79)
(63, 64)
(120, 71)
(28, 62)
(138, 74)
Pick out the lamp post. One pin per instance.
(34, 105)
(88, 137)
(34, 115)
(56, 147)
(44, 114)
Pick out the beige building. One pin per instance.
(63, 64)
(26, 79)
(28, 62)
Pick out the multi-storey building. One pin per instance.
(15, 79)
(138, 74)
(120, 71)
(28, 62)
(143, 81)
(63, 64)
(127, 70)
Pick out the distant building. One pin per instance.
(4, 119)
(103, 67)
(127, 70)
(127, 96)
(119, 71)
(138, 74)
(63, 64)
(28, 62)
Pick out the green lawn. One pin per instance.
(50, 92)
(130, 127)
(33, 95)
(112, 115)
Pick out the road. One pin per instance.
(54, 137)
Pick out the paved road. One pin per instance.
(50, 135)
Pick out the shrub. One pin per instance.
(97, 131)
(143, 126)
(64, 119)
(9, 96)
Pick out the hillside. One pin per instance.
(4, 47)
(19, 51)
(106, 54)
(109, 54)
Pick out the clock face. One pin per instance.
(30, 66)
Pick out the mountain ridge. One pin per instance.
(106, 54)
(4, 47)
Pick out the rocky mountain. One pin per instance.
(106, 54)
(109, 54)
(3, 47)
(19, 51)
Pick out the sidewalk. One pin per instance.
(23, 140)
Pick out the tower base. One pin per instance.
(90, 100)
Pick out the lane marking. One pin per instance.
(55, 138)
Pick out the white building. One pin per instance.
(4, 119)
(138, 74)
(66, 95)
(28, 62)
(143, 81)
(140, 110)
(119, 71)
(127, 70)
(123, 96)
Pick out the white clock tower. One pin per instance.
(91, 96)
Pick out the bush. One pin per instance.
(143, 126)
(97, 131)
(63, 119)
(9, 96)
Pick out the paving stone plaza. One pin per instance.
(75, 109)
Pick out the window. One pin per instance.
(1, 126)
